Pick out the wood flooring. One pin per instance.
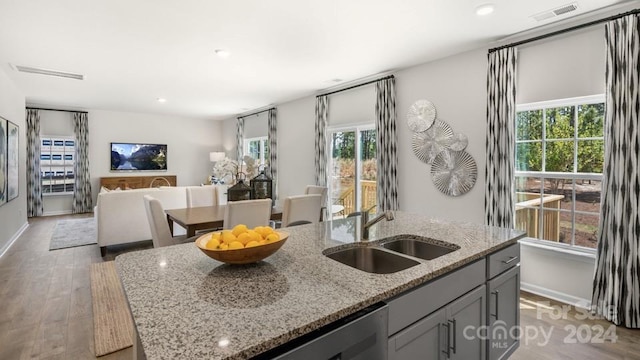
(45, 307)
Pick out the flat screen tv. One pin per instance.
(138, 157)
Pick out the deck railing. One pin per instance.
(528, 215)
(347, 197)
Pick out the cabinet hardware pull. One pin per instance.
(448, 351)
(454, 335)
(496, 293)
(511, 259)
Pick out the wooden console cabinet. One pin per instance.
(137, 182)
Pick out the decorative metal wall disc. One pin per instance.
(459, 142)
(454, 172)
(427, 144)
(421, 115)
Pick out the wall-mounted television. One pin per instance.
(138, 157)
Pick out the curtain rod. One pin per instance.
(569, 29)
(257, 112)
(355, 86)
(45, 109)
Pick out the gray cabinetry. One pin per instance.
(503, 313)
(425, 339)
(465, 321)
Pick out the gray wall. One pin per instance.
(13, 215)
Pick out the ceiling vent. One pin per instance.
(63, 74)
(556, 12)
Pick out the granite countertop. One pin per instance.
(186, 305)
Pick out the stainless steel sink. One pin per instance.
(372, 260)
(418, 248)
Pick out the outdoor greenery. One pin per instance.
(561, 139)
(343, 144)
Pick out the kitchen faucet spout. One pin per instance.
(366, 223)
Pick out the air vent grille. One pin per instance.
(555, 12)
(31, 70)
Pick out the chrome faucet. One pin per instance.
(366, 223)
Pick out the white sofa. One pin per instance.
(121, 217)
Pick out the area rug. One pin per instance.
(73, 232)
(112, 324)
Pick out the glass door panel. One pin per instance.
(342, 174)
(368, 170)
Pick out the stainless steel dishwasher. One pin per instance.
(360, 336)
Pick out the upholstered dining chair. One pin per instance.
(206, 195)
(322, 191)
(301, 207)
(160, 232)
(249, 212)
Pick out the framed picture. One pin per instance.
(3, 161)
(13, 189)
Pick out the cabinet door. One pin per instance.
(504, 314)
(422, 340)
(466, 318)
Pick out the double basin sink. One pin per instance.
(381, 256)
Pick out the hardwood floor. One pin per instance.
(45, 296)
(46, 311)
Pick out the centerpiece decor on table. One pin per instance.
(262, 186)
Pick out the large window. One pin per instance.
(559, 161)
(352, 169)
(257, 148)
(57, 158)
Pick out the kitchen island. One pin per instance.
(187, 306)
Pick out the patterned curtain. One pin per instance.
(240, 139)
(616, 284)
(386, 138)
(34, 180)
(322, 112)
(273, 150)
(500, 146)
(82, 202)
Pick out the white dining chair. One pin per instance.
(322, 191)
(301, 208)
(249, 212)
(205, 195)
(160, 232)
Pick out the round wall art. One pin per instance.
(454, 172)
(421, 115)
(427, 144)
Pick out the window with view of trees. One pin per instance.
(257, 148)
(558, 169)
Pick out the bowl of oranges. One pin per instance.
(241, 245)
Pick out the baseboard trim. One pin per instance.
(14, 238)
(56, 213)
(556, 295)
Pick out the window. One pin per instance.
(258, 148)
(57, 157)
(558, 170)
(352, 161)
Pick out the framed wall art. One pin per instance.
(3, 161)
(13, 189)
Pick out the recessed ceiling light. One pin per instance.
(161, 100)
(222, 53)
(484, 9)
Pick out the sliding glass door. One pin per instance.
(352, 169)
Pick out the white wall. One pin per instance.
(256, 125)
(189, 142)
(13, 215)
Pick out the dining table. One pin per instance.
(206, 217)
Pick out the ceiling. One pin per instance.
(133, 52)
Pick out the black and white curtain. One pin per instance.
(322, 111)
(34, 179)
(273, 149)
(616, 284)
(240, 139)
(500, 145)
(82, 202)
(387, 139)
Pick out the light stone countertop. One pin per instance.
(186, 305)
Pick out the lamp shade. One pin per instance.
(216, 156)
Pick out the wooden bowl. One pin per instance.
(241, 256)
